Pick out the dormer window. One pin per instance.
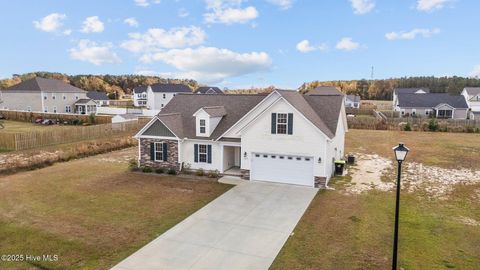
(282, 122)
(202, 126)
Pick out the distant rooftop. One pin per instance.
(46, 85)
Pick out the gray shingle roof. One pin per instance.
(473, 91)
(324, 90)
(97, 95)
(177, 115)
(322, 111)
(215, 111)
(170, 88)
(353, 98)
(410, 90)
(431, 100)
(83, 101)
(205, 89)
(140, 89)
(47, 85)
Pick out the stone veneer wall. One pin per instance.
(172, 160)
(320, 182)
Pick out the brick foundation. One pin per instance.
(245, 174)
(172, 160)
(320, 182)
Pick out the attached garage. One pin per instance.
(288, 169)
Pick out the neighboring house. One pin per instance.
(352, 101)
(282, 137)
(438, 105)
(42, 95)
(208, 90)
(472, 96)
(157, 96)
(399, 91)
(324, 90)
(140, 96)
(100, 98)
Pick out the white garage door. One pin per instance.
(287, 169)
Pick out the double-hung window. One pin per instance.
(158, 151)
(68, 108)
(202, 153)
(202, 126)
(282, 122)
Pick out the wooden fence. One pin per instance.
(417, 124)
(28, 140)
(31, 116)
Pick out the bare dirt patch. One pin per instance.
(376, 172)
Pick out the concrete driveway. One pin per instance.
(245, 228)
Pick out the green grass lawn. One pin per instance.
(18, 126)
(92, 212)
(341, 231)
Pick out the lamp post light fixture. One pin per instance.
(400, 154)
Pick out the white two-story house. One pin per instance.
(283, 137)
(472, 96)
(157, 96)
(45, 95)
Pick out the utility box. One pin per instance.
(351, 159)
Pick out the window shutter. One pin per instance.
(290, 123)
(195, 153)
(274, 123)
(152, 151)
(165, 151)
(209, 153)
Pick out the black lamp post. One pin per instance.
(400, 154)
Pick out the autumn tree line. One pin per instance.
(118, 85)
(383, 89)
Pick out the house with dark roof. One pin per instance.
(100, 98)
(400, 91)
(324, 90)
(283, 137)
(157, 95)
(438, 105)
(44, 95)
(208, 90)
(472, 96)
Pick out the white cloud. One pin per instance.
(92, 25)
(361, 7)
(131, 22)
(283, 4)
(412, 34)
(50, 23)
(229, 12)
(182, 13)
(210, 64)
(347, 44)
(67, 32)
(97, 54)
(232, 15)
(304, 46)
(146, 3)
(430, 5)
(156, 39)
(475, 72)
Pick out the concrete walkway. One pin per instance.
(245, 228)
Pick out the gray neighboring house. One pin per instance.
(208, 90)
(100, 98)
(157, 95)
(400, 91)
(352, 101)
(43, 95)
(438, 105)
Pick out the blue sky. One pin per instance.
(239, 43)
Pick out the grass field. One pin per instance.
(92, 212)
(18, 126)
(344, 231)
